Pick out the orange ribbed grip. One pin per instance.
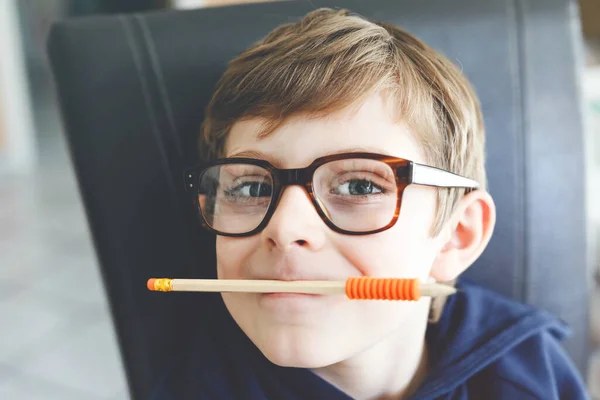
(367, 288)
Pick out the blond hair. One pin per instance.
(331, 59)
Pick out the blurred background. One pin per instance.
(59, 344)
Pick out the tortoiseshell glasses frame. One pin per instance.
(406, 173)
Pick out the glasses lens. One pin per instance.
(234, 198)
(358, 195)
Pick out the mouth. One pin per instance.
(288, 295)
(288, 305)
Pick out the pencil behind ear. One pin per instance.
(465, 235)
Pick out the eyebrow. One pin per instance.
(256, 154)
(358, 150)
(278, 161)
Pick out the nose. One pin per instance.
(295, 222)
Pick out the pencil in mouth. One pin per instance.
(355, 288)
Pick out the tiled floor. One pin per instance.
(57, 340)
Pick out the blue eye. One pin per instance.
(358, 187)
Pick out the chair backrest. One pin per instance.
(133, 88)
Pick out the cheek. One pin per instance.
(232, 255)
(405, 250)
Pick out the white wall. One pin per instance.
(19, 153)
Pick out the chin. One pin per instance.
(297, 349)
(291, 339)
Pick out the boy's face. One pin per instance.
(316, 331)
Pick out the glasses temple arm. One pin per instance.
(431, 176)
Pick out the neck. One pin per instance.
(392, 369)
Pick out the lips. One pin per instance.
(297, 264)
(286, 305)
(290, 306)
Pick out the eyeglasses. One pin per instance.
(354, 193)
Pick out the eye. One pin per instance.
(251, 189)
(360, 187)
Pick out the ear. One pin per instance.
(464, 237)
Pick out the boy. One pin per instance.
(369, 110)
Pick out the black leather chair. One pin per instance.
(133, 88)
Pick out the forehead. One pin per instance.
(368, 126)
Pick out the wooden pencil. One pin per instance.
(365, 288)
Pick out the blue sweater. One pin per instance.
(484, 347)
